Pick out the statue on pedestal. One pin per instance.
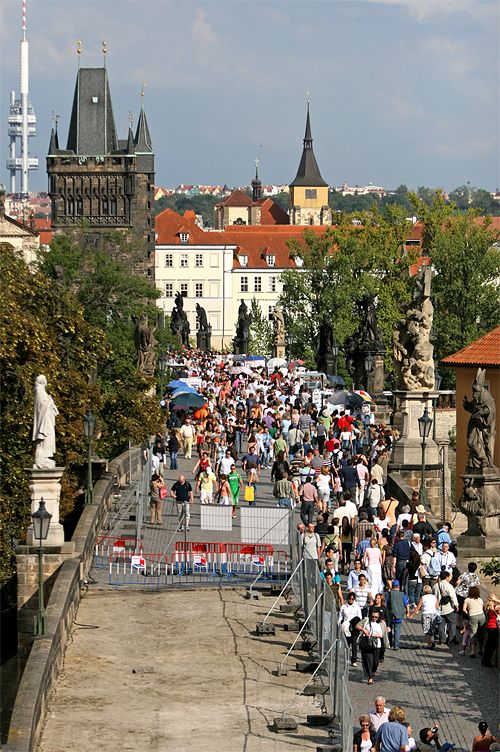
(412, 348)
(324, 351)
(44, 426)
(279, 333)
(179, 324)
(204, 333)
(242, 329)
(366, 340)
(145, 343)
(481, 430)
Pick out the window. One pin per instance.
(243, 260)
(257, 284)
(271, 284)
(198, 290)
(244, 284)
(184, 237)
(270, 312)
(169, 259)
(169, 290)
(184, 289)
(311, 193)
(198, 260)
(184, 260)
(271, 260)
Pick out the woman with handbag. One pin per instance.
(156, 493)
(373, 636)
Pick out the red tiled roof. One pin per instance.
(44, 229)
(168, 225)
(258, 241)
(236, 198)
(485, 351)
(271, 213)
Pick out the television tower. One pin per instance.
(22, 122)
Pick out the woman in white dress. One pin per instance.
(373, 561)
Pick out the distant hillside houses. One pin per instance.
(214, 190)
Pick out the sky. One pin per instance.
(401, 91)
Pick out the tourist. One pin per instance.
(236, 486)
(310, 543)
(398, 606)
(349, 616)
(353, 576)
(173, 447)
(448, 604)
(491, 628)
(473, 608)
(285, 492)
(346, 540)
(364, 740)
(363, 594)
(373, 634)
(187, 434)
(465, 581)
(309, 498)
(380, 713)
(429, 605)
(155, 485)
(205, 483)
(224, 491)
(324, 485)
(182, 492)
(445, 559)
(393, 735)
(372, 561)
(482, 742)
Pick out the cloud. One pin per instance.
(472, 147)
(203, 34)
(424, 10)
(403, 108)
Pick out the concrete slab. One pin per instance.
(174, 670)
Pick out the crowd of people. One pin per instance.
(384, 559)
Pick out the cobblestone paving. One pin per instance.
(432, 686)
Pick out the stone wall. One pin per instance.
(64, 579)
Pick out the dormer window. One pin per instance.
(271, 260)
(243, 260)
(184, 237)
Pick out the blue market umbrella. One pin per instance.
(336, 380)
(178, 384)
(188, 399)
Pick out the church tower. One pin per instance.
(99, 180)
(308, 191)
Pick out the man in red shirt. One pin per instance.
(345, 422)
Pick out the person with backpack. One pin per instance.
(430, 566)
(448, 604)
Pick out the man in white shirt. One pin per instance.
(188, 433)
(225, 463)
(380, 714)
(346, 508)
(445, 558)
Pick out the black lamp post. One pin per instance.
(335, 353)
(424, 429)
(288, 339)
(41, 523)
(369, 365)
(89, 430)
(437, 386)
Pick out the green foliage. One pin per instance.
(491, 569)
(71, 317)
(465, 289)
(260, 331)
(339, 268)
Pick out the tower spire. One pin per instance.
(256, 183)
(308, 173)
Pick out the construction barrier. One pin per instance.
(107, 547)
(199, 563)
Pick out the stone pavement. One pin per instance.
(433, 686)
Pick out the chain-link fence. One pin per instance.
(320, 606)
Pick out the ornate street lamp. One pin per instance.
(41, 523)
(89, 430)
(335, 353)
(424, 429)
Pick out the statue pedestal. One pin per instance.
(376, 377)
(279, 351)
(46, 484)
(407, 452)
(203, 340)
(240, 346)
(409, 407)
(480, 502)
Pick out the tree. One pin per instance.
(261, 332)
(339, 268)
(465, 256)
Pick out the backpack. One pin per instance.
(433, 568)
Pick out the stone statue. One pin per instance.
(481, 429)
(279, 327)
(242, 329)
(145, 346)
(44, 426)
(179, 324)
(411, 344)
(366, 340)
(204, 333)
(324, 351)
